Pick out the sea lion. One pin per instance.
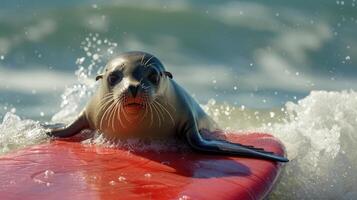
(137, 96)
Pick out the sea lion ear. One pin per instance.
(98, 77)
(168, 74)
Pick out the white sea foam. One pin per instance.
(16, 133)
(137, 145)
(320, 137)
(319, 133)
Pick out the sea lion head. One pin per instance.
(133, 80)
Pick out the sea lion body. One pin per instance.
(137, 97)
(172, 109)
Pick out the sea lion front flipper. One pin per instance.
(196, 141)
(70, 130)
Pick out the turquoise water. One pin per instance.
(282, 67)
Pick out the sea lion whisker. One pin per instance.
(104, 115)
(115, 110)
(148, 61)
(142, 59)
(104, 101)
(145, 104)
(110, 113)
(151, 64)
(145, 87)
(168, 113)
(169, 104)
(119, 117)
(166, 108)
(101, 121)
(145, 112)
(158, 114)
(162, 113)
(105, 106)
(120, 99)
(110, 94)
(151, 115)
(120, 120)
(124, 111)
(107, 96)
(113, 115)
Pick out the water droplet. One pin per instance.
(121, 178)
(184, 197)
(272, 114)
(242, 107)
(48, 173)
(80, 61)
(95, 56)
(147, 175)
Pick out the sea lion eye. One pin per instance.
(113, 79)
(154, 77)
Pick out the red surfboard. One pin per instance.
(71, 170)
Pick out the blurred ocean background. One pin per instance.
(284, 67)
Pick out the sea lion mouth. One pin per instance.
(134, 105)
(133, 108)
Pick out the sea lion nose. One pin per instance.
(133, 90)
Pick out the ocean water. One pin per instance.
(287, 68)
